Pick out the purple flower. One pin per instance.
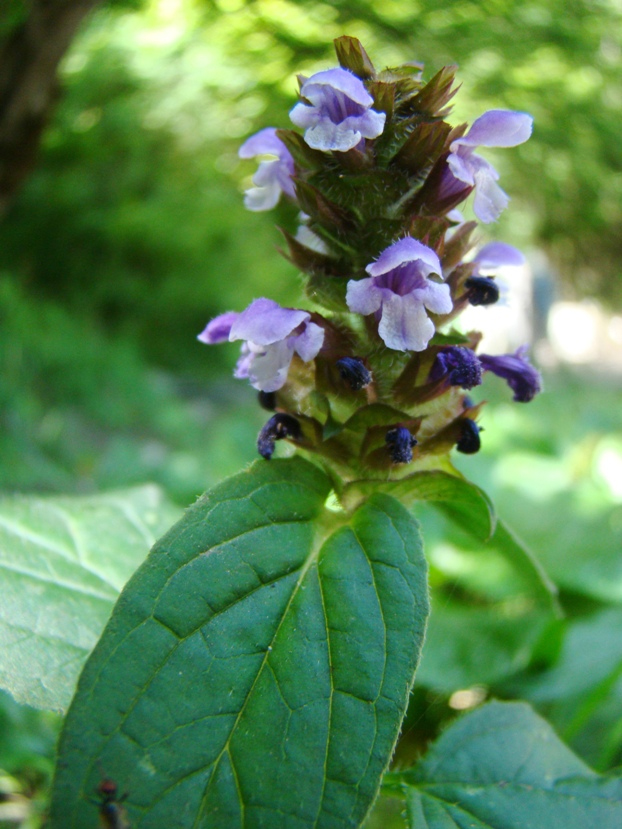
(338, 115)
(497, 255)
(460, 366)
(272, 335)
(497, 128)
(398, 291)
(217, 331)
(521, 376)
(272, 177)
(482, 289)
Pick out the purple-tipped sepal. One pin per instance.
(338, 114)
(354, 372)
(469, 441)
(400, 444)
(482, 290)
(267, 400)
(279, 426)
(460, 366)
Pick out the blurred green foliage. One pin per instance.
(131, 234)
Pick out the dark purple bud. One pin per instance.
(482, 290)
(353, 371)
(469, 442)
(400, 444)
(521, 376)
(278, 427)
(459, 365)
(267, 400)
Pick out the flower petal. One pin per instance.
(268, 369)
(217, 331)
(308, 344)
(524, 380)
(436, 297)
(405, 250)
(327, 136)
(265, 142)
(258, 199)
(490, 200)
(363, 297)
(264, 322)
(405, 326)
(339, 79)
(498, 255)
(458, 163)
(497, 128)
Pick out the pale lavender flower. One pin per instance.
(398, 291)
(521, 376)
(482, 288)
(273, 176)
(272, 335)
(339, 112)
(217, 330)
(311, 240)
(496, 128)
(496, 255)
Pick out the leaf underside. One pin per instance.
(256, 669)
(63, 562)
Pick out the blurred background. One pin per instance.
(122, 232)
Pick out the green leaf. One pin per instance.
(63, 562)
(467, 645)
(582, 693)
(506, 542)
(503, 767)
(526, 566)
(257, 667)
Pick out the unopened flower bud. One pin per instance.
(267, 400)
(469, 442)
(459, 365)
(400, 444)
(354, 372)
(482, 290)
(278, 427)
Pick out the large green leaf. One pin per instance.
(503, 767)
(256, 669)
(63, 562)
(582, 692)
(468, 645)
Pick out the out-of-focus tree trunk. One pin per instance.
(29, 57)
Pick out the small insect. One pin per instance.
(112, 814)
